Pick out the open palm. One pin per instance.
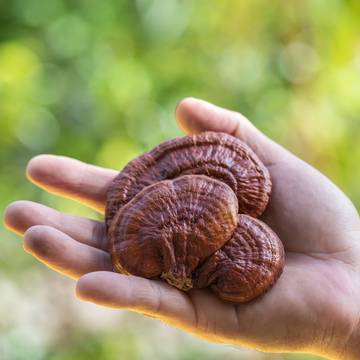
(314, 307)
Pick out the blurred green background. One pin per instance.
(99, 81)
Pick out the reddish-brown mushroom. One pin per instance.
(185, 212)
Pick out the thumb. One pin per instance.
(195, 116)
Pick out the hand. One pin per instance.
(315, 305)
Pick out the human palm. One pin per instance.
(314, 306)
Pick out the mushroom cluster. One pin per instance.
(187, 212)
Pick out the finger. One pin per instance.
(197, 312)
(150, 297)
(21, 215)
(63, 254)
(195, 116)
(71, 178)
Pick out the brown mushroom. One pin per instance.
(246, 266)
(173, 213)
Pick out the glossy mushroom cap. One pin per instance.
(171, 227)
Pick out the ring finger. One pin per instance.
(63, 254)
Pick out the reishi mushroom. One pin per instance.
(187, 212)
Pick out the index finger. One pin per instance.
(71, 179)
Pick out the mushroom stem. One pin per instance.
(182, 283)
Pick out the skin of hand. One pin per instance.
(315, 305)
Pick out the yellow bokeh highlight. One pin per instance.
(117, 152)
(17, 64)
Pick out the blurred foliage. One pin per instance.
(99, 81)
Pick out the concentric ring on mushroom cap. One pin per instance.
(216, 155)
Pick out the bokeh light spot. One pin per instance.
(117, 152)
(241, 68)
(164, 19)
(37, 129)
(16, 63)
(68, 36)
(35, 12)
(299, 62)
(128, 81)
